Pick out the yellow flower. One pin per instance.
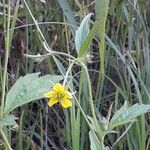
(59, 94)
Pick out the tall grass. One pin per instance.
(119, 71)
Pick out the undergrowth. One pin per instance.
(74, 75)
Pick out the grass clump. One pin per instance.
(92, 57)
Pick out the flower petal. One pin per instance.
(58, 88)
(66, 103)
(52, 101)
(49, 94)
(68, 94)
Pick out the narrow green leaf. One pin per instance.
(14, 19)
(29, 88)
(68, 13)
(95, 143)
(101, 7)
(82, 32)
(86, 44)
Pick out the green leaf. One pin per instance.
(101, 8)
(95, 143)
(82, 32)
(86, 43)
(68, 13)
(8, 120)
(128, 114)
(101, 124)
(29, 88)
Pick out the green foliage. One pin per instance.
(122, 62)
(121, 117)
(84, 49)
(128, 114)
(101, 8)
(27, 89)
(101, 123)
(8, 120)
(68, 13)
(82, 32)
(95, 143)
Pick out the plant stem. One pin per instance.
(67, 73)
(5, 139)
(102, 145)
(100, 136)
(7, 39)
(6, 61)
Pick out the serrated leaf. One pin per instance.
(29, 88)
(128, 114)
(8, 120)
(95, 143)
(82, 32)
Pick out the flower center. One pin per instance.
(60, 96)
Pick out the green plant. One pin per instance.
(101, 53)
